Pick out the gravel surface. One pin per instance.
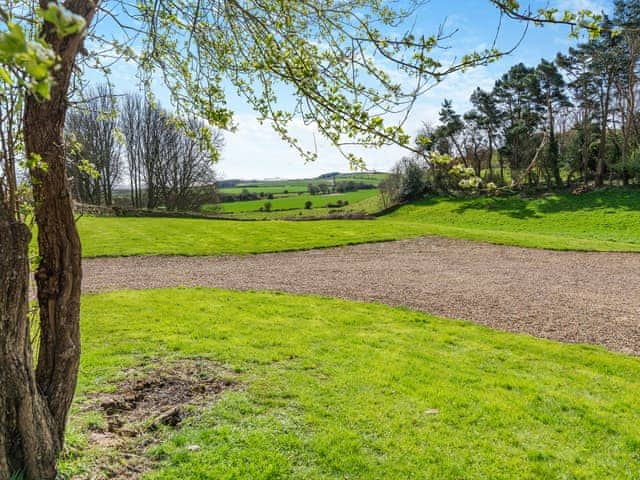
(567, 296)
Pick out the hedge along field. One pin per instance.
(292, 202)
(338, 389)
(599, 221)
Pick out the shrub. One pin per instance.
(338, 204)
(267, 206)
(629, 167)
(313, 189)
(407, 181)
(307, 204)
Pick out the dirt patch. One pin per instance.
(143, 406)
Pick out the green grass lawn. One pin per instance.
(337, 389)
(599, 221)
(608, 216)
(293, 202)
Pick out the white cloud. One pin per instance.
(576, 5)
(256, 151)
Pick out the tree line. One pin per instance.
(166, 160)
(574, 119)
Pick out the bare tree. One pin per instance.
(141, 124)
(185, 170)
(93, 125)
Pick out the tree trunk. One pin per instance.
(28, 443)
(490, 156)
(59, 275)
(553, 144)
(602, 150)
(586, 132)
(34, 404)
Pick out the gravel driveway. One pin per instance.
(567, 296)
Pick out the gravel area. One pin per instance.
(567, 296)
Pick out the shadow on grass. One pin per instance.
(613, 198)
(516, 207)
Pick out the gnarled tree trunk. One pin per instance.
(27, 441)
(34, 403)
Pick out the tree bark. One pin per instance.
(28, 444)
(59, 274)
(602, 149)
(34, 403)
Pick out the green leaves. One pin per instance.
(24, 61)
(34, 161)
(64, 21)
(28, 62)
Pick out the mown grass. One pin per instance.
(338, 389)
(609, 215)
(608, 220)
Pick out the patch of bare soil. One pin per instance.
(584, 297)
(144, 405)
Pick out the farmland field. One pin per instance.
(294, 188)
(337, 389)
(301, 185)
(293, 202)
(607, 220)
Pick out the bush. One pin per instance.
(267, 206)
(313, 189)
(628, 168)
(351, 186)
(307, 204)
(338, 204)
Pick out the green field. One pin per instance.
(370, 205)
(266, 189)
(292, 202)
(337, 389)
(601, 221)
(301, 185)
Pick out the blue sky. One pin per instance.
(255, 151)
